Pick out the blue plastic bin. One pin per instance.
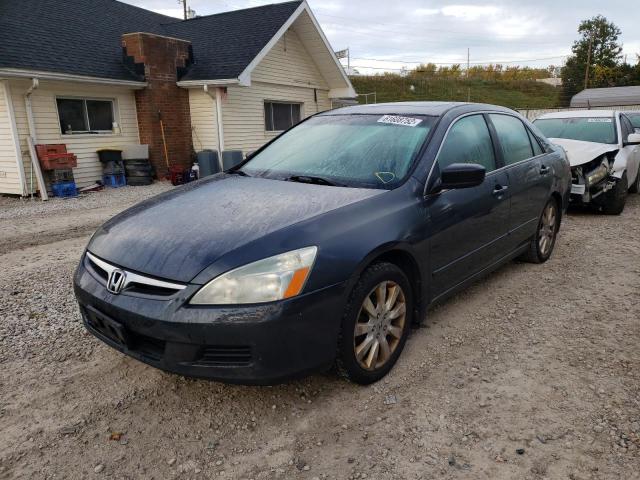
(114, 181)
(64, 189)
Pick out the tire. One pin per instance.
(136, 163)
(139, 181)
(615, 199)
(388, 325)
(542, 244)
(635, 188)
(139, 172)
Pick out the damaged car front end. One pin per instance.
(591, 180)
(602, 153)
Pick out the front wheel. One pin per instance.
(541, 246)
(616, 198)
(375, 324)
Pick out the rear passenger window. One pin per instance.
(514, 139)
(537, 149)
(468, 141)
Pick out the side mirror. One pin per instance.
(633, 139)
(462, 175)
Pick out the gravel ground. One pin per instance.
(533, 373)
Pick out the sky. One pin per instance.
(387, 35)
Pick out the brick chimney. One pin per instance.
(159, 59)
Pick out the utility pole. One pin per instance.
(586, 70)
(468, 65)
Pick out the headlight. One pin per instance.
(267, 280)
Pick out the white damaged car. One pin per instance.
(603, 149)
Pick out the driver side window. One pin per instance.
(468, 141)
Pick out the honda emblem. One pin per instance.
(115, 282)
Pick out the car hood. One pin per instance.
(177, 234)
(580, 152)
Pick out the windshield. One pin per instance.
(595, 129)
(369, 151)
(635, 120)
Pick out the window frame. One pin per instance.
(499, 143)
(114, 113)
(496, 158)
(281, 102)
(625, 126)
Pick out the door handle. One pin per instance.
(500, 190)
(544, 170)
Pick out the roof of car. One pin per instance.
(579, 114)
(416, 108)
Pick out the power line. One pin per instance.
(485, 62)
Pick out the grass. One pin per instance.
(508, 93)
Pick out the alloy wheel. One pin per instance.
(547, 230)
(379, 326)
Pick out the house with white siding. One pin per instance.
(125, 76)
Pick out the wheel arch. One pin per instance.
(558, 198)
(401, 256)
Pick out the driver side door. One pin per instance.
(469, 227)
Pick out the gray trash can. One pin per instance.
(231, 158)
(209, 162)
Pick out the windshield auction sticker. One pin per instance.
(398, 120)
(599, 120)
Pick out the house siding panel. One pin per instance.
(203, 120)
(47, 125)
(9, 176)
(289, 63)
(287, 74)
(243, 112)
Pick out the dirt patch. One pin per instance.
(532, 374)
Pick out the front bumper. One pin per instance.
(256, 344)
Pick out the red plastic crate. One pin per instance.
(50, 149)
(55, 156)
(59, 160)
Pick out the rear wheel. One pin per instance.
(375, 324)
(616, 198)
(542, 244)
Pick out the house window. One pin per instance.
(85, 115)
(280, 116)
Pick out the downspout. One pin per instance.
(15, 138)
(32, 124)
(217, 98)
(27, 101)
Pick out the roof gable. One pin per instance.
(225, 43)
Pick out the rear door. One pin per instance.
(469, 226)
(530, 175)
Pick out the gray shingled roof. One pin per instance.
(224, 44)
(606, 97)
(83, 37)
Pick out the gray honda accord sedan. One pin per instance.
(326, 245)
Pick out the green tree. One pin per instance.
(598, 46)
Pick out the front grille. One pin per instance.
(225, 355)
(134, 282)
(102, 273)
